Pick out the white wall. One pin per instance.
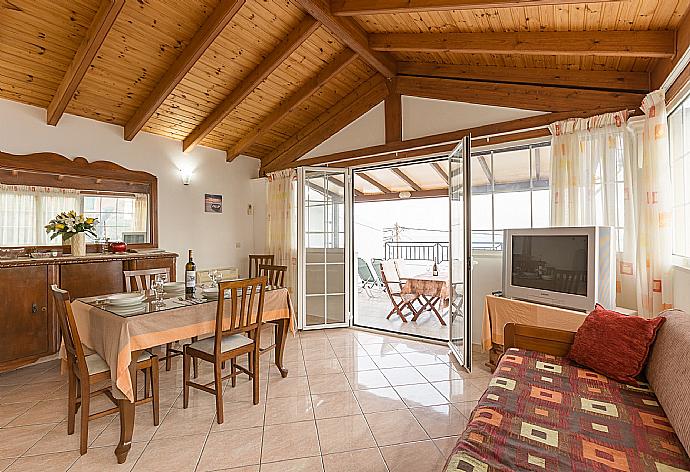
(681, 288)
(217, 239)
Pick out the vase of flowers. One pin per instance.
(73, 228)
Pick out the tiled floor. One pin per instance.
(353, 401)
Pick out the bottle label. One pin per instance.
(190, 278)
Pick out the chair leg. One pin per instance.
(233, 371)
(255, 376)
(185, 379)
(155, 392)
(71, 401)
(195, 360)
(249, 363)
(219, 391)
(168, 357)
(147, 381)
(84, 426)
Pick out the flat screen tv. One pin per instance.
(571, 267)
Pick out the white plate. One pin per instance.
(126, 299)
(128, 310)
(173, 286)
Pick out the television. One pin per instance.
(569, 267)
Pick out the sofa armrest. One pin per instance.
(533, 338)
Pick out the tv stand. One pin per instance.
(499, 311)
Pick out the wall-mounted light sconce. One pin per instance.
(186, 176)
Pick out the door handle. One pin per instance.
(34, 308)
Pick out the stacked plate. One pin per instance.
(127, 303)
(209, 292)
(174, 288)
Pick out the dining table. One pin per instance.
(120, 334)
(431, 290)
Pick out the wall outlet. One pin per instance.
(237, 245)
(250, 210)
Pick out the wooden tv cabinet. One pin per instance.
(28, 320)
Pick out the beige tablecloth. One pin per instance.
(499, 311)
(114, 337)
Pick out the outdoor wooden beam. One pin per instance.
(383, 7)
(604, 80)
(342, 184)
(204, 37)
(388, 196)
(295, 100)
(252, 81)
(406, 178)
(350, 33)
(485, 168)
(347, 110)
(393, 114)
(527, 97)
(440, 171)
(374, 182)
(95, 36)
(562, 43)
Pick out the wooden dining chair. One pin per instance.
(236, 333)
(142, 279)
(257, 260)
(275, 275)
(393, 287)
(84, 371)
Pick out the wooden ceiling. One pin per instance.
(274, 78)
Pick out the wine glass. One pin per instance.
(158, 285)
(214, 275)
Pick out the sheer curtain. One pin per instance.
(141, 212)
(653, 198)
(281, 227)
(25, 210)
(590, 165)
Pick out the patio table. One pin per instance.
(431, 289)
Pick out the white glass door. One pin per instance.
(323, 220)
(460, 250)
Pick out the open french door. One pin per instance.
(323, 233)
(460, 253)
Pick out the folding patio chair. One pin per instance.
(366, 276)
(392, 286)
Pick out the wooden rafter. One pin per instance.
(295, 100)
(486, 169)
(599, 79)
(100, 26)
(383, 197)
(341, 184)
(379, 7)
(664, 67)
(527, 97)
(407, 179)
(204, 37)
(351, 34)
(568, 43)
(252, 81)
(440, 171)
(393, 114)
(374, 182)
(347, 110)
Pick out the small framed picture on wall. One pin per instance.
(213, 203)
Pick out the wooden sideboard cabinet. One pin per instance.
(28, 320)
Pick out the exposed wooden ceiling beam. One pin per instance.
(351, 34)
(664, 68)
(393, 151)
(527, 97)
(599, 79)
(252, 81)
(382, 7)
(204, 37)
(296, 99)
(393, 114)
(406, 178)
(440, 171)
(374, 182)
(561, 43)
(388, 196)
(95, 36)
(347, 110)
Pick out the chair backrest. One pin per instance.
(246, 300)
(364, 271)
(400, 267)
(275, 275)
(376, 264)
(389, 277)
(141, 279)
(68, 328)
(256, 260)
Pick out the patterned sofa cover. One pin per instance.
(545, 413)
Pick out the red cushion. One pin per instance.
(614, 344)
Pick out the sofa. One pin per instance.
(542, 412)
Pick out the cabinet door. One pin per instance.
(24, 321)
(89, 279)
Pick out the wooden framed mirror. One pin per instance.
(36, 187)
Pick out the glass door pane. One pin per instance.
(459, 185)
(324, 242)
